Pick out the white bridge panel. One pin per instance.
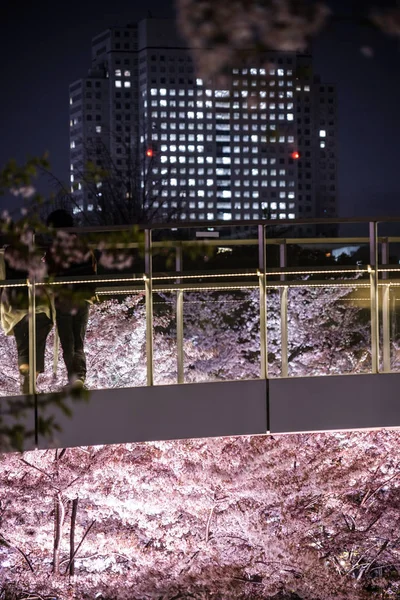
(160, 413)
(334, 402)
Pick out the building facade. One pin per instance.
(262, 147)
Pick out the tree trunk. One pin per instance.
(59, 514)
(72, 537)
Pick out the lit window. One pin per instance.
(163, 92)
(199, 82)
(117, 72)
(118, 83)
(127, 73)
(289, 116)
(72, 144)
(306, 88)
(322, 133)
(98, 128)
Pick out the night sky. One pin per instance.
(46, 46)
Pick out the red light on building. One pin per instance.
(295, 155)
(149, 153)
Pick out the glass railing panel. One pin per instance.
(115, 341)
(165, 343)
(388, 235)
(206, 248)
(390, 327)
(221, 335)
(14, 329)
(328, 329)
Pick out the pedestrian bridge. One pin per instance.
(323, 358)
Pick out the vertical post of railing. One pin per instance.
(32, 334)
(148, 265)
(56, 351)
(373, 280)
(263, 301)
(386, 311)
(179, 319)
(284, 314)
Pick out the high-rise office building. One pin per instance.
(264, 146)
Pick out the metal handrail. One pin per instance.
(379, 276)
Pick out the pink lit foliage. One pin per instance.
(313, 517)
(221, 32)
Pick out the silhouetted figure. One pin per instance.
(68, 258)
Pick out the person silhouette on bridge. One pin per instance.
(69, 257)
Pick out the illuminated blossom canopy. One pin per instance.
(313, 517)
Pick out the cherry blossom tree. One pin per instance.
(220, 35)
(303, 516)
